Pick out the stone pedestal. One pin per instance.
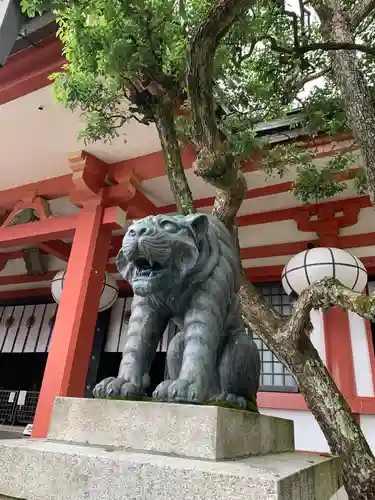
(109, 450)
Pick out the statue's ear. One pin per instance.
(199, 223)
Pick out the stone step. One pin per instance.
(46, 470)
(195, 431)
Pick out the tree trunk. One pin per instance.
(173, 162)
(321, 394)
(357, 100)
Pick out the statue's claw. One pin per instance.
(227, 397)
(180, 391)
(116, 387)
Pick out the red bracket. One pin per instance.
(93, 184)
(327, 220)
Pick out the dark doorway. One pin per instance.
(22, 371)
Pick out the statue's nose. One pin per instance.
(138, 231)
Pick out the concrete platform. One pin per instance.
(193, 431)
(45, 470)
(112, 450)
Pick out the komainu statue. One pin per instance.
(185, 268)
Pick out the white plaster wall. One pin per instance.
(368, 428)
(307, 433)
(317, 335)
(340, 495)
(361, 358)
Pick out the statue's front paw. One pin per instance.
(185, 391)
(233, 399)
(116, 387)
(100, 390)
(161, 391)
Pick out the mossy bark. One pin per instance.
(338, 26)
(173, 162)
(214, 162)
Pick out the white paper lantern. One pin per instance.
(312, 265)
(109, 290)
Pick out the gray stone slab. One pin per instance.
(45, 470)
(184, 430)
(10, 435)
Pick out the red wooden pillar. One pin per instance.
(339, 352)
(72, 339)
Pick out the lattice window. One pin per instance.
(26, 407)
(275, 376)
(7, 404)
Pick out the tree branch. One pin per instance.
(325, 294)
(314, 76)
(173, 162)
(336, 46)
(360, 11)
(331, 293)
(297, 85)
(214, 162)
(326, 46)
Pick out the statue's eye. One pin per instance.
(169, 226)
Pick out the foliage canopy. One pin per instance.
(122, 52)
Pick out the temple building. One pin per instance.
(63, 210)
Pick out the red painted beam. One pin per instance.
(111, 268)
(116, 243)
(5, 256)
(152, 165)
(282, 187)
(114, 218)
(36, 232)
(24, 278)
(50, 189)
(281, 249)
(363, 405)
(148, 166)
(255, 274)
(273, 273)
(28, 70)
(58, 248)
(53, 228)
(264, 274)
(140, 206)
(281, 400)
(295, 401)
(24, 293)
(290, 213)
(275, 250)
(124, 288)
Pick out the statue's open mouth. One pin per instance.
(145, 268)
